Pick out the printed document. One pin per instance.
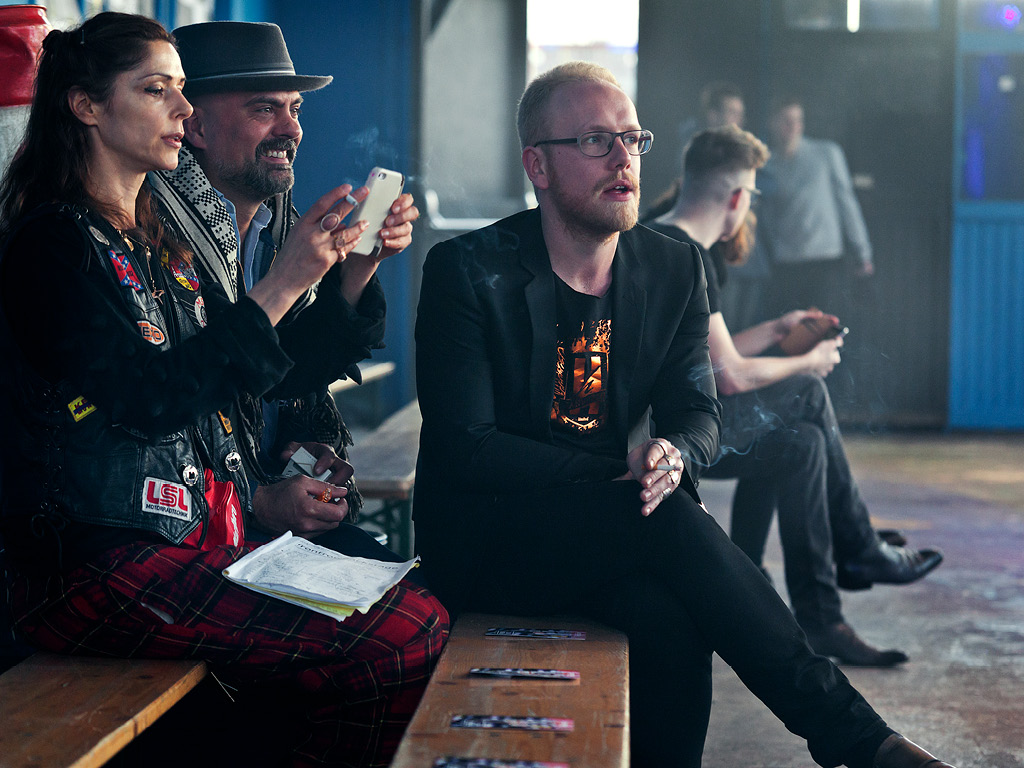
(303, 573)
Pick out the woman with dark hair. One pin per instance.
(128, 476)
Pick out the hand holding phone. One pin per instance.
(809, 332)
(385, 186)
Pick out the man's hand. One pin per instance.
(657, 484)
(397, 232)
(326, 459)
(295, 504)
(824, 356)
(785, 324)
(396, 236)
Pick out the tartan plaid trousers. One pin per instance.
(357, 682)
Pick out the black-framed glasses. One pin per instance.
(600, 143)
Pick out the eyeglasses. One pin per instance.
(600, 143)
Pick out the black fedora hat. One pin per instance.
(220, 56)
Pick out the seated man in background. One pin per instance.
(778, 426)
(543, 341)
(230, 198)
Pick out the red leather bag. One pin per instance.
(224, 526)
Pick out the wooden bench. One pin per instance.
(598, 703)
(363, 404)
(371, 372)
(80, 711)
(385, 463)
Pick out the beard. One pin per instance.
(587, 216)
(257, 179)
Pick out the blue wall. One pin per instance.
(364, 118)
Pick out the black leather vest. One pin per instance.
(65, 458)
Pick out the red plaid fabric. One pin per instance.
(358, 681)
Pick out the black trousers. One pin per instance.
(679, 589)
(784, 444)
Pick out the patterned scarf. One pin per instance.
(198, 214)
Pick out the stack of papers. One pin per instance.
(300, 572)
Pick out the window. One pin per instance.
(858, 15)
(602, 31)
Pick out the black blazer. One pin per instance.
(485, 364)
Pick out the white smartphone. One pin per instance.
(385, 186)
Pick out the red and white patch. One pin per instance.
(162, 497)
(201, 312)
(151, 333)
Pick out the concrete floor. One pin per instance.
(961, 695)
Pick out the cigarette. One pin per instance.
(667, 467)
(351, 200)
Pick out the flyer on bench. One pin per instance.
(510, 722)
(490, 762)
(300, 572)
(544, 674)
(541, 634)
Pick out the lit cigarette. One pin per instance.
(667, 467)
(351, 201)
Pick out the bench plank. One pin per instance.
(385, 465)
(80, 711)
(598, 702)
(370, 372)
(385, 459)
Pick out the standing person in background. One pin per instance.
(778, 427)
(722, 104)
(810, 217)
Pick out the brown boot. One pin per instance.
(898, 752)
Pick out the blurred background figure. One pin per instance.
(810, 218)
(722, 105)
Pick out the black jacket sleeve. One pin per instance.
(327, 338)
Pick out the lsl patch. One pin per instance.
(162, 497)
(80, 408)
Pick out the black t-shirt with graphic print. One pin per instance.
(580, 408)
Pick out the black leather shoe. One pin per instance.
(891, 565)
(898, 752)
(892, 536)
(840, 642)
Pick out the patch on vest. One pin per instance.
(150, 332)
(80, 408)
(183, 272)
(200, 307)
(162, 497)
(125, 272)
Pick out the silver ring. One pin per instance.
(323, 222)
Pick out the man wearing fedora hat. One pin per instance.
(230, 197)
